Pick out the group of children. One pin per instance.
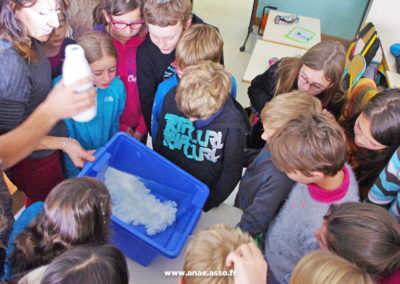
(157, 71)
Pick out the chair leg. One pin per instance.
(250, 29)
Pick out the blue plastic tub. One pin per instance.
(166, 181)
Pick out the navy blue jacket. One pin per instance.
(210, 150)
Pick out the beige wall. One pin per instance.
(385, 14)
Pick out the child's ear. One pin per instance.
(318, 175)
(181, 280)
(188, 23)
(106, 16)
(377, 147)
(11, 5)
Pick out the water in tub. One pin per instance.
(134, 204)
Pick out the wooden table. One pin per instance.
(276, 32)
(262, 52)
(154, 273)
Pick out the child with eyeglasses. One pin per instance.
(122, 21)
(318, 72)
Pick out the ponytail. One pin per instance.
(98, 16)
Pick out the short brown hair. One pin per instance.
(88, 264)
(76, 212)
(365, 234)
(283, 108)
(167, 12)
(309, 143)
(325, 267)
(208, 249)
(203, 89)
(199, 42)
(96, 46)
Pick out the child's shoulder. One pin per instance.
(353, 189)
(168, 99)
(169, 83)
(117, 84)
(234, 112)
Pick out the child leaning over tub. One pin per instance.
(122, 21)
(202, 130)
(76, 212)
(311, 150)
(102, 57)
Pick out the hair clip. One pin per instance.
(163, 1)
(103, 211)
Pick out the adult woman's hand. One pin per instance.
(78, 155)
(249, 264)
(63, 102)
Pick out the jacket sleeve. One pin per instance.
(147, 85)
(156, 110)
(231, 168)
(262, 87)
(141, 128)
(249, 155)
(386, 189)
(15, 91)
(266, 203)
(121, 106)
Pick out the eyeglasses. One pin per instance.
(312, 84)
(122, 25)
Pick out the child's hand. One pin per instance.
(138, 136)
(249, 264)
(130, 131)
(328, 113)
(78, 155)
(134, 134)
(63, 102)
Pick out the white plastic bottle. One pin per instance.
(75, 68)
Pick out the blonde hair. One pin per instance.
(207, 251)
(203, 90)
(328, 56)
(167, 12)
(311, 142)
(325, 267)
(96, 46)
(199, 42)
(281, 109)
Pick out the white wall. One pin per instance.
(384, 14)
(339, 18)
